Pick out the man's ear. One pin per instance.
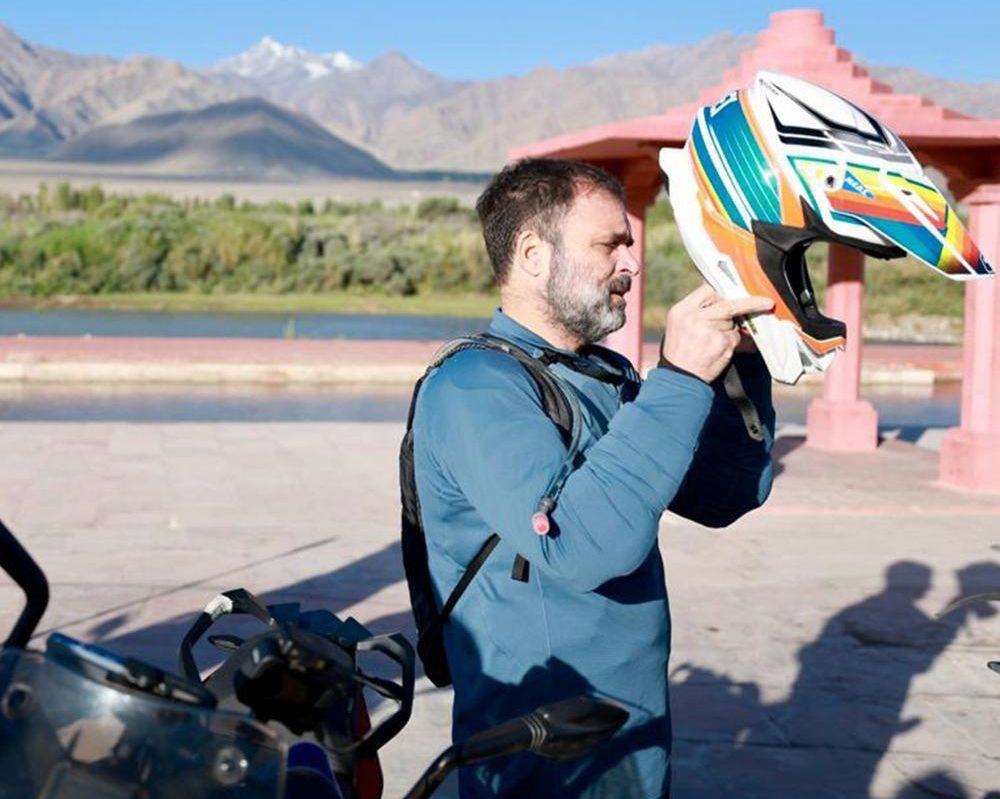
(531, 253)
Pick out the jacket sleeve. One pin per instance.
(481, 418)
(731, 473)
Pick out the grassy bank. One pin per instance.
(69, 247)
(459, 304)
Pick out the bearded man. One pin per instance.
(590, 613)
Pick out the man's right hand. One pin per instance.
(702, 333)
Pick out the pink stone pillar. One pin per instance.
(638, 195)
(840, 421)
(970, 453)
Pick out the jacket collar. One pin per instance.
(505, 327)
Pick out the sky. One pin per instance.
(475, 39)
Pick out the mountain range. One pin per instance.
(155, 112)
(48, 96)
(246, 138)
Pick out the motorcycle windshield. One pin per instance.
(64, 736)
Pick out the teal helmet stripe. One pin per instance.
(762, 171)
(742, 158)
(914, 238)
(733, 172)
(713, 176)
(740, 150)
(734, 180)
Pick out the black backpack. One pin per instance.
(560, 406)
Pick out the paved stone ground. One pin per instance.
(806, 660)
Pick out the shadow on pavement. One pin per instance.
(783, 447)
(613, 771)
(827, 738)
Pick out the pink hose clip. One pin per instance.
(540, 521)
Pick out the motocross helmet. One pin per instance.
(769, 170)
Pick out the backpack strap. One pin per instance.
(555, 397)
(555, 401)
(585, 366)
(467, 576)
(561, 408)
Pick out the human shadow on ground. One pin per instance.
(825, 739)
(844, 708)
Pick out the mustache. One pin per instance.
(620, 285)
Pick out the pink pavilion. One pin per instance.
(965, 150)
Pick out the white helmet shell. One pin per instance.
(769, 170)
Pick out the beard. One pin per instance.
(586, 309)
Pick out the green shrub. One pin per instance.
(83, 241)
(437, 207)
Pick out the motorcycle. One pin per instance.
(283, 716)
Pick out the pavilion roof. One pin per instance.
(796, 43)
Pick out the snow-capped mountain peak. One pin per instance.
(270, 58)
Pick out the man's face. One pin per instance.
(591, 267)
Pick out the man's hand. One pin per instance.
(701, 334)
(747, 344)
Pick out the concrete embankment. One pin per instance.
(216, 360)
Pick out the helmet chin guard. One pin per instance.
(769, 170)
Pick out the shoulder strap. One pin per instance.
(554, 401)
(557, 406)
(467, 576)
(444, 353)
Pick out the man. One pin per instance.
(591, 615)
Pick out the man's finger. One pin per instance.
(727, 309)
(703, 295)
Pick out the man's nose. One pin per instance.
(629, 262)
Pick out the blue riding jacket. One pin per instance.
(592, 616)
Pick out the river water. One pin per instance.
(898, 408)
(57, 322)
